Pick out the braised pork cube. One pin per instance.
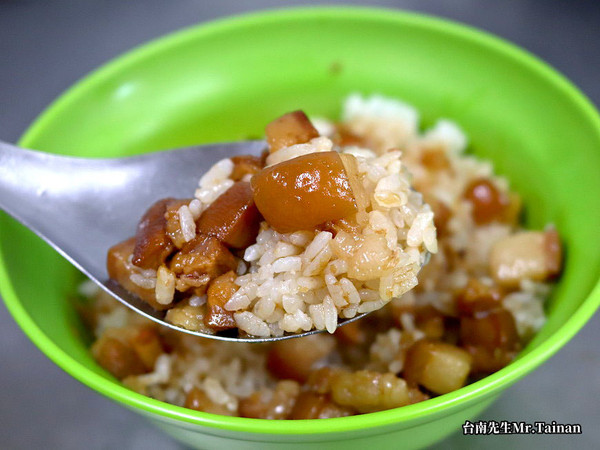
(488, 202)
(478, 297)
(271, 404)
(437, 366)
(147, 345)
(430, 321)
(441, 215)
(344, 137)
(310, 405)
(304, 192)
(128, 351)
(219, 292)
(233, 217)
(491, 339)
(368, 391)
(121, 269)
(434, 158)
(197, 400)
(152, 244)
(494, 330)
(188, 316)
(290, 129)
(245, 165)
(117, 357)
(203, 255)
(294, 358)
(320, 380)
(531, 255)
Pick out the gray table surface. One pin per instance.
(45, 46)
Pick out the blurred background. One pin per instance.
(45, 46)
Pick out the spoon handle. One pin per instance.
(82, 206)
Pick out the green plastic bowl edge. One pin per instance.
(443, 404)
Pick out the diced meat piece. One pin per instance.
(290, 129)
(320, 380)
(416, 395)
(120, 269)
(441, 215)
(188, 316)
(344, 137)
(301, 193)
(148, 346)
(553, 251)
(310, 405)
(486, 361)
(197, 284)
(268, 404)
(219, 292)
(435, 159)
(488, 202)
(203, 255)
(233, 217)
(197, 400)
(294, 358)
(528, 255)
(118, 357)
(245, 165)
(152, 244)
(430, 321)
(368, 391)
(478, 297)
(492, 330)
(491, 339)
(173, 225)
(437, 366)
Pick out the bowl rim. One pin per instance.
(442, 405)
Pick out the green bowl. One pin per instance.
(225, 80)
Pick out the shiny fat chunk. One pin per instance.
(527, 255)
(491, 339)
(368, 391)
(438, 366)
(310, 405)
(304, 192)
(294, 358)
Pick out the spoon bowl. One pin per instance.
(83, 206)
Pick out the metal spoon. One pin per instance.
(83, 206)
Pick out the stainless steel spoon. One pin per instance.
(83, 206)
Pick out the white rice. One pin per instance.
(187, 223)
(165, 286)
(142, 281)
